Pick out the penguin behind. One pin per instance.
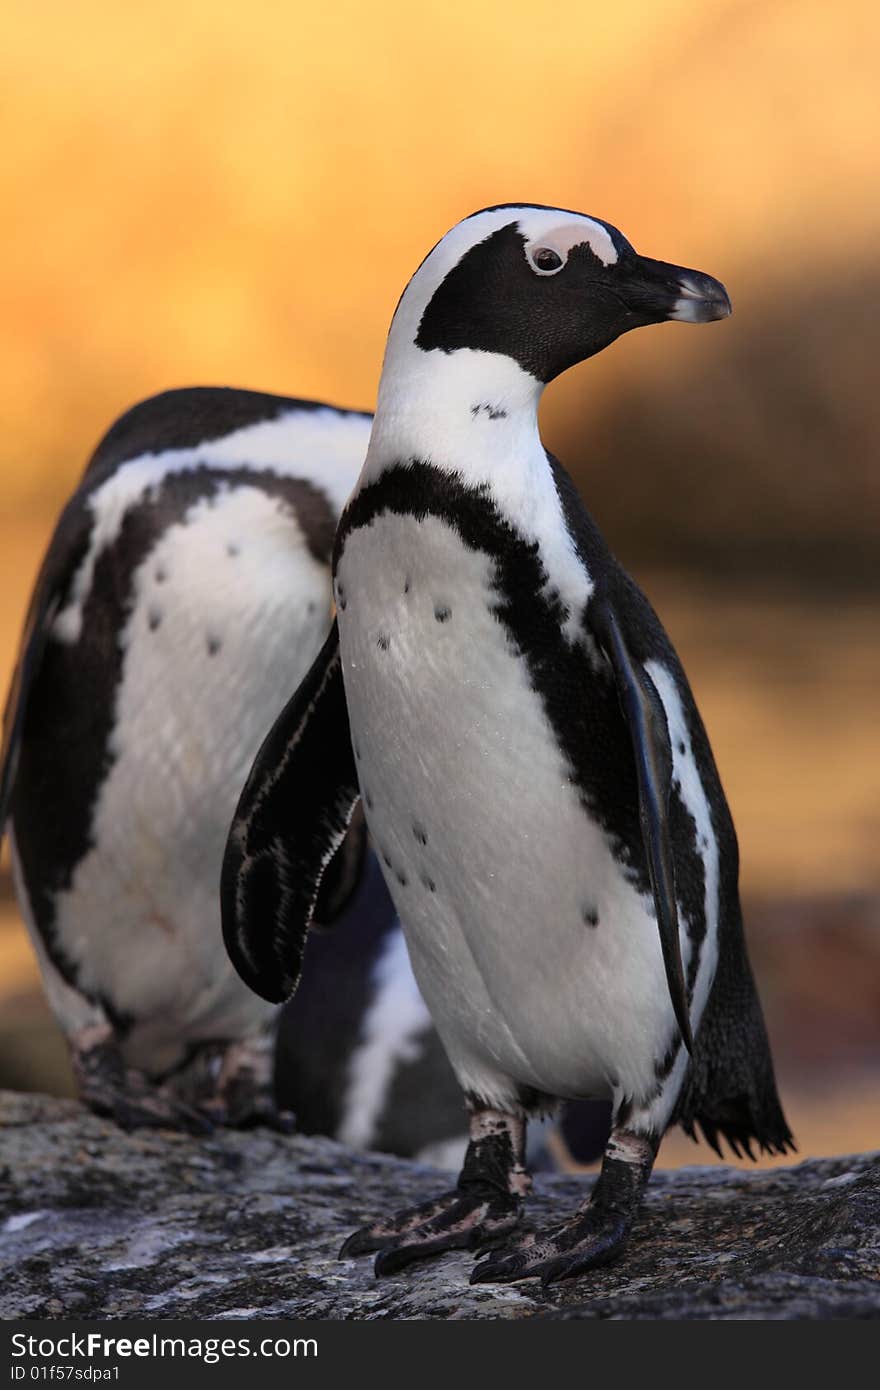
(186, 586)
(530, 760)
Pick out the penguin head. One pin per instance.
(544, 287)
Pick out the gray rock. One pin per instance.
(95, 1223)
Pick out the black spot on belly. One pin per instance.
(442, 612)
(401, 878)
(154, 618)
(368, 800)
(428, 882)
(382, 642)
(681, 747)
(232, 549)
(213, 644)
(419, 834)
(161, 575)
(406, 584)
(494, 412)
(386, 858)
(590, 915)
(311, 606)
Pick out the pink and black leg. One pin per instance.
(599, 1230)
(108, 1087)
(232, 1083)
(243, 1095)
(483, 1207)
(220, 1084)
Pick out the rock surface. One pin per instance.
(95, 1223)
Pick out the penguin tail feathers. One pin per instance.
(736, 1125)
(730, 1089)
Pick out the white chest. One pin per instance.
(495, 867)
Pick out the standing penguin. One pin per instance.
(205, 521)
(534, 771)
(186, 584)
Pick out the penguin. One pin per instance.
(528, 755)
(209, 500)
(186, 587)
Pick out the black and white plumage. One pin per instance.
(186, 586)
(534, 771)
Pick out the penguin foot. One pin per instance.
(455, 1221)
(231, 1083)
(125, 1095)
(598, 1232)
(486, 1205)
(245, 1090)
(596, 1238)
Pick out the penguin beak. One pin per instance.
(657, 292)
(700, 299)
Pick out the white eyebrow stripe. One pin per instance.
(564, 237)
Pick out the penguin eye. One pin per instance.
(545, 260)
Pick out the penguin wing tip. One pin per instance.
(262, 973)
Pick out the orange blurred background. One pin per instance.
(236, 194)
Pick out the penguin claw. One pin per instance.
(124, 1094)
(499, 1269)
(499, 1241)
(394, 1258)
(282, 1121)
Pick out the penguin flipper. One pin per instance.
(646, 720)
(344, 872)
(66, 548)
(27, 666)
(291, 818)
